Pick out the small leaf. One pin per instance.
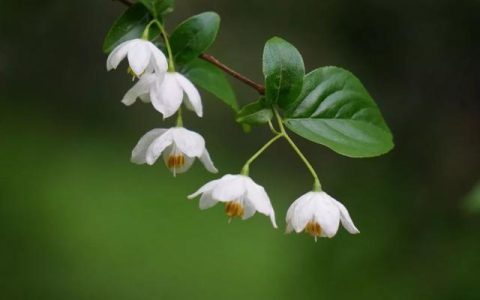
(335, 110)
(211, 79)
(195, 35)
(129, 26)
(284, 70)
(255, 113)
(159, 7)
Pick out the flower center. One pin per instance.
(234, 209)
(176, 161)
(314, 229)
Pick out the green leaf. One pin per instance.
(255, 113)
(195, 35)
(159, 7)
(129, 26)
(284, 70)
(335, 110)
(211, 79)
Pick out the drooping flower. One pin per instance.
(319, 215)
(143, 57)
(166, 93)
(241, 195)
(179, 147)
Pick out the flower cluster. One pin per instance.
(315, 213)
(166, 90)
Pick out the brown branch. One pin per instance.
(207, 57)
(260, 88)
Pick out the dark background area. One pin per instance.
(79, 221)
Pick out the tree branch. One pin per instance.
(260, 88)
(207, 57)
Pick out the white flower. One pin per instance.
(143, 57)
(167, 95)
(241, 195)
(179, 146)
(319, 215)
(166, 92)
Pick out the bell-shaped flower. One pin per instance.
(319, 215)
(241, 195)
(168, 94)
(179, 147)
(143, 57)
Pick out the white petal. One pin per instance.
(140, 151)
(206, 188)
(257, 195)
(139, 57)
(118, 54)
(326, 214)
(167, 96)
(303, 212)
(158, 59)
(194, 101)
(345, 218)
(207, 162)
(140, 89)
(206, 201)
(188, 142)
(229, 189)
(158, 146)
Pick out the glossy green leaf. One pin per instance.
(211, 79)
(158, 7)
(334, 109)
(255, 113)
(284, 70)
(129, 26)
(195, 35)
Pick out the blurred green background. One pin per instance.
(79, 221)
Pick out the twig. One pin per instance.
(207, 57)
(260, 88)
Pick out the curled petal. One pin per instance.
(194, 101)
(139, 153)
(345, 218)
(208, 187)
(157, 147)
(207, 162)
(118, 54)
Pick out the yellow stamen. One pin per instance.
(176, 161)
(314, 229)
(234, 209)
(133, 74)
